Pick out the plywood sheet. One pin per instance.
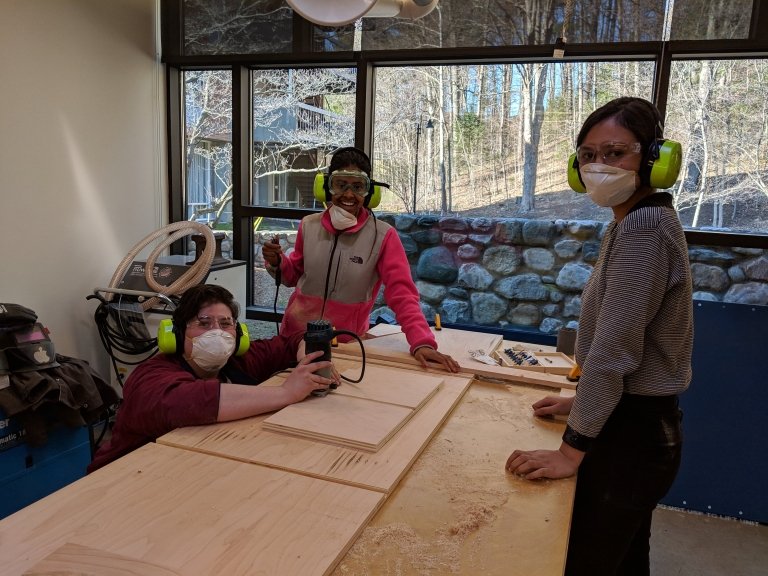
(75, 560)
(394, 350)
(346, 420)
(247, 440)
(410, 389)
(456, 343)
(193, 514)
(459, 513)
(364, 415)
(479, 369)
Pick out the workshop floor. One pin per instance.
(692, 544)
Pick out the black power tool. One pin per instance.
(318, 337)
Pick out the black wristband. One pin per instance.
(576, 440)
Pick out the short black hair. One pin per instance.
(637, 115)
(344, 157)
(202, 295)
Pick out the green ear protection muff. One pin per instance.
(170, 340)
(323, 194)
(665, 157)
(665, 163)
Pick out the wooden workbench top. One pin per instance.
(459, 512)
(174, 511)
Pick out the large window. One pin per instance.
(208, 146)
(299, 114)
(476, 139)
(265, 26)
(465, 110)
(718, 110)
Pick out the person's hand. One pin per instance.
(552, 406)
(271, 252)
(301, 352)
(534, 464)
(303, 380)
(426, 354)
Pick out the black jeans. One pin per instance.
(629, 468)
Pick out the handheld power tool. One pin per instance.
(319, 337)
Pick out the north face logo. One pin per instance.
(356, 259)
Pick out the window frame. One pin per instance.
(663, 53)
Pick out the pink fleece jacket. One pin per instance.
(354, 263)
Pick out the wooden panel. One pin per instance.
(246, 440)
(392, 350)
(481, 370)
(193, 514)
(456, 343)
(390, 386)
(76, 560)
(353, 415)
(458, 513)
(346, 420)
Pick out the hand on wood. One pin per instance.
(426, 354)
(553, 406)
(535, 464)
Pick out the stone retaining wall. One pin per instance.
(529, 274)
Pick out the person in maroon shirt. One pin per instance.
(205, 381)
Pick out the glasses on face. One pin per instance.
(357, 182)
(208, 322)
(611, 153)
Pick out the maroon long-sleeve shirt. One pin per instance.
(163, 394)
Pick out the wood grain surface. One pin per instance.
(76, 560)
(354, 415)
(352, 422)
(393, 350)
(192, 514)
(248, 441)
(458, 512)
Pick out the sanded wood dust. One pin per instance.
(458, 502)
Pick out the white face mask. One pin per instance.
(340, 218)
(608, 186)
(212, 349)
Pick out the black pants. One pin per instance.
(629, 468)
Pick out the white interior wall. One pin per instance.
(82, 155)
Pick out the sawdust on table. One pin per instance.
(475, 492)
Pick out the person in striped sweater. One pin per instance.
(634, 344)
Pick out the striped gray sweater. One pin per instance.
(636, 325)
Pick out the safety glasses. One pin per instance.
(611, 153)
(340, 181)
(208, 322)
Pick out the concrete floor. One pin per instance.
(693, 544)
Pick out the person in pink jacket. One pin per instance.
(342, 256)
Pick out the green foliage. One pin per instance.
(469, 129)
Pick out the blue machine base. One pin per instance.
(29, 473)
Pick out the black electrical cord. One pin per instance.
(122, 334)
(362, 358)
(278, 281)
